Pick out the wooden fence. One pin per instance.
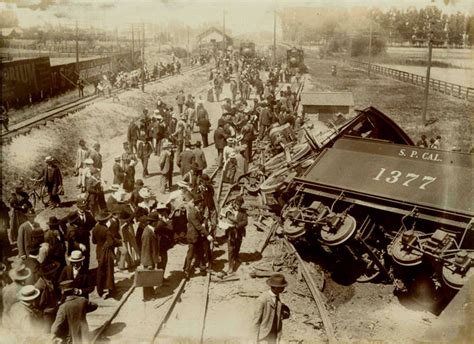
(458, 91)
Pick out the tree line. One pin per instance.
(303, 25)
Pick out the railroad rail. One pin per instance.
(163, 323)
(25, 126)
(444, 87)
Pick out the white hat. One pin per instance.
(28, 293)
(88, 161)
(48, 158)
(76, 256)
(145, 193)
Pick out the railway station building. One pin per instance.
(327, 104)
(215, 38)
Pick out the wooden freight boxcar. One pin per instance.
(25, 81)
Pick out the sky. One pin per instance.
(242, 16)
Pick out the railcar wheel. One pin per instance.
(252, 181)
(454, 278)
(297, 152)
(293, 229)
(405, 255)
(275, 181)
(343, 233)
(372, 270)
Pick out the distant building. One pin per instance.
(214, 37)
(327, 104)
(11, 32)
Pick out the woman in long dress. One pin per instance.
(106, 242)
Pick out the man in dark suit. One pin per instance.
(220, 140)
(78, 233)
(196, 233)
(70, 323)
(186, 159)
(132, 135)
(239, 219)
(81, 281)
(25, 242)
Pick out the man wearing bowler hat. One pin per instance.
(271, 311)
(70, 324)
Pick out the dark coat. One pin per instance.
(52, 178)
(106, 241)
(119, 173)
(150, 253)
(132, 132)
(71, 319)
(79, 233)
(95, 198)
(129, 180)
(82, 280)
(204, 125)
(185, 161)
(220, 137)
(20, 205)
(195, 224)
(25, 242)
(200, 158)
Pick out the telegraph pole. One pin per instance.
(427, 83)
(370, 48)
(224, 40)
(77, 48)
(133, 47)
(189, 53)
(274, 36)
(143, 57)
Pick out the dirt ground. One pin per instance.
(403, 102)
(360, 313)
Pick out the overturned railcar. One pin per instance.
(395, 207)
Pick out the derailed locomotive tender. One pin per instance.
(367, 190)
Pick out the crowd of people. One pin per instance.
(50, 280)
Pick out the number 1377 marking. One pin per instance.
(396, 177)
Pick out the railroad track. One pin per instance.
(25, 126)
(182, 301)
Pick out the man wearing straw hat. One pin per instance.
(24, 318)
(271, 311)
(77, 272)
(18, 274)
(72, 316)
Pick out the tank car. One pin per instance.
(398, 210)
(295, 60)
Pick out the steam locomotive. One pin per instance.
(247, 49)
(295, 60)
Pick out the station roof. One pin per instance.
(327, 98)
(211, 30)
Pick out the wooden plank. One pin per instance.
(114, 314)
(169, 309)
(315, 293)
(206, 303)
